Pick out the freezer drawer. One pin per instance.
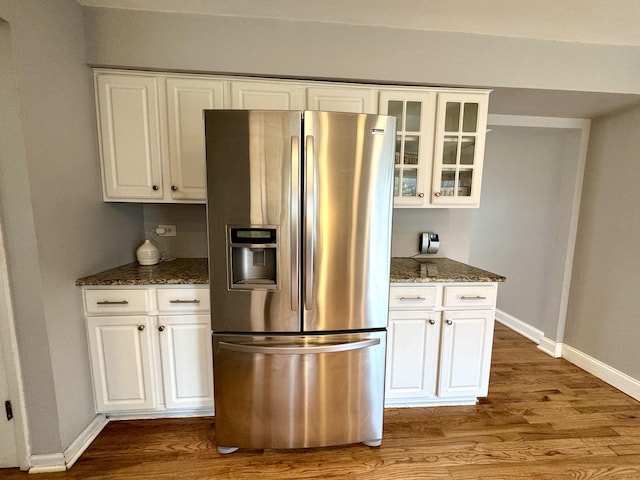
(299, 391)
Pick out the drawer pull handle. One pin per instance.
(140, 328)
(477, 297)
(112, 302)
(185, 301)
(411, 298)
(432, 322)
(449, 322)
(161, 328)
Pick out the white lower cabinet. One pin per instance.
(465, 353)
(438, 348)
(185, 354)
(121, 362)
(160, 362)
(413, 340)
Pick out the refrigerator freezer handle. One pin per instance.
(294, 224)
(295, 349)
(309, 219)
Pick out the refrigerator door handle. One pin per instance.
(296, 349)
(309, 219)
(295, 216)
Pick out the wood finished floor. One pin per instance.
(544, 419)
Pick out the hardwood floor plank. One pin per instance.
(544, 419)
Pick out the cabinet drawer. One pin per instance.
(183, 300)
(109, 301)
(470, 296)
(412, 297)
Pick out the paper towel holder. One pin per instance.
(429, 242)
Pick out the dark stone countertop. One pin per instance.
(428, 270)
(194, 271)
(187, 271)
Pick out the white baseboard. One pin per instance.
(47, 463)
(206, 412)
(429, 402)
(59, 462)
(519, 326)
(82, 442)
(604, 372)
(550, 347)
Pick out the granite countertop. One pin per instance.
(427, 270)
(187, 271)
(194, 271)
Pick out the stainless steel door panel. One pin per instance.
(348, 199)
(252, 181)
(298, 391)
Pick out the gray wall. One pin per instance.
(56, 226)
(603, 319)
(514, 231)
(191, 227)
(451, 224)
(225, 44)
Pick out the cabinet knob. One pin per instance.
(449, 322)
(174, 188)
(161, 328)
(432, 322)
(437, 194)
(421, 195)
(140, 328)
(156, 187)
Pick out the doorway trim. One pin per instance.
(12, 362)
(551, 341)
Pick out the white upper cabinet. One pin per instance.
(152, 146)
(265, 95)
(186, 99)
(352, 99)
(459, 149)
(129, 136)
(439, 146)
(151, 134)
(414, 112)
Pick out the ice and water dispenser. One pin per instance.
(253, 257)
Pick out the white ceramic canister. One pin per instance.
(148, 253)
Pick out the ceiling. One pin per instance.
(609, 22)
(604, 22)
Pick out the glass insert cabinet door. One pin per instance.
(459, 151)
(414, 114)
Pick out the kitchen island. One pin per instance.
(440, 334)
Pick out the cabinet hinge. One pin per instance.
(8, 409)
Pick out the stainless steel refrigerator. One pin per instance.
(299, 216)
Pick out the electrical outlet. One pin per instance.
(165, 230)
